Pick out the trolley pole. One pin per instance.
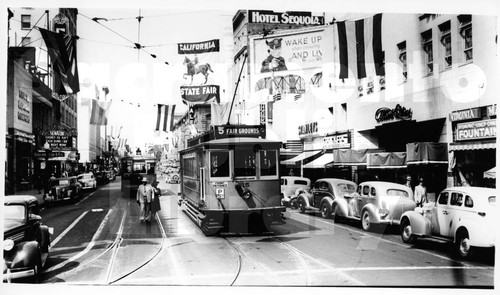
(236, 88)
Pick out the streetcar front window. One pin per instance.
(268, 162)
(139, 167)
(244, 163)
(219, 164)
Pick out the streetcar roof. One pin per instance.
(138, 158)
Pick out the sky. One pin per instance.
(137, 82)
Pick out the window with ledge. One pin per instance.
(25, 21)
(446, 42)
(25, 41)
(402, 58)
(465, 31)
(427, 47)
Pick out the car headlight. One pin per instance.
(8, 245)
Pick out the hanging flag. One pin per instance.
(62, 52)
(100, 112)
(219, 113)
(360, 48)
(165, 117)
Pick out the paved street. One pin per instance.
(111, 246)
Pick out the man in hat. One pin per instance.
(144, 197)
(274, 62)
(420, 193)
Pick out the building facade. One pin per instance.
(437, 68)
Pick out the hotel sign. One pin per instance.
(287, 18)
(476, 130)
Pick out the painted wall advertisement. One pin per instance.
(22, 103)
(298, 51)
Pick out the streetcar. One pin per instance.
(230, 180)
(133, 169)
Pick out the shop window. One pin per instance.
(25, 21)
(446, 44)
(465, 31)
(427, 47)
(402, 59)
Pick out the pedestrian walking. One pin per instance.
(420, 193)
(155, 204)
(144, 198)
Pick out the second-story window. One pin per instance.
(25, 41)
(446, 42)
(402, 59)
(25, 21)
(465, 31)
(427, 47)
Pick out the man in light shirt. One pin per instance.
(420, 193)
(144, 195)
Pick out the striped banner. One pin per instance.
(165, 117)
(360, 48)
(100, 111)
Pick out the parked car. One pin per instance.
(323, 194)
(111, 174)
(87, 180)
(26, 241)
(465, 216)
(375, 203)
(101, 177)
(291, 186)
(65, 188)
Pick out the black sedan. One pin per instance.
(66, 188)
(26, 240)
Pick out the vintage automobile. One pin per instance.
(323, 194)
(87, 180)
(375, 203)
(26, 241)
(465, 216)
(291, 186)
(65, 188)
(102, 177)
(173, 178)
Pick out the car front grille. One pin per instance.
(16, 237)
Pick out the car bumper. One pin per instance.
(9, 274)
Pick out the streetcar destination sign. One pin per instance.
(226, 131)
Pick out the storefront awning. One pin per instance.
(386, 160)
(476, 145)
(492, 173)
(300, 157)
(426, 153)
(348, 157)
(320, 162)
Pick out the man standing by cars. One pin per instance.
(420, 193)
(144, 197)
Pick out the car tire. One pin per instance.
(37, 266)
(365, 221)
(462, 244)
(301, 204)
(406, 232)
(293, 203)
(326, 210)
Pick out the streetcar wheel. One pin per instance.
(301, 204)
(462, 244)
(326, 210)
(406, 232)
(365, 221)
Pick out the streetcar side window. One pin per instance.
(219, 164)
(189, 166)
(244, 163)
(268, 165)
